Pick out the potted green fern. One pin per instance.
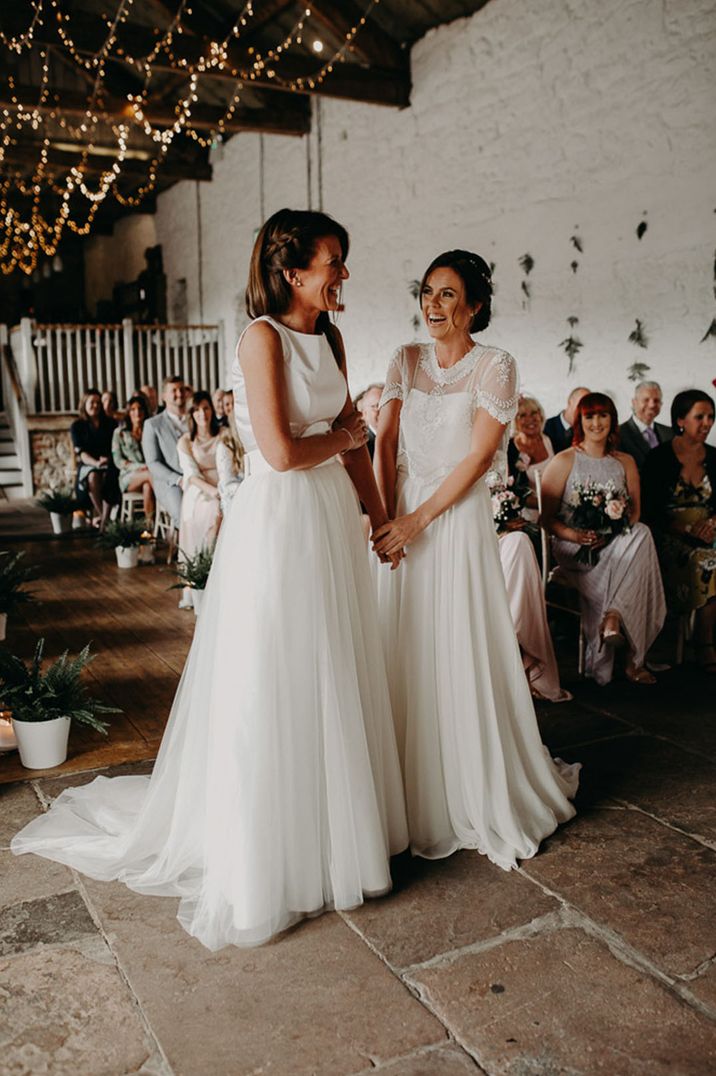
(125, 538)
(44, 704)
(13, 577)
(60, 503)
(193, 573)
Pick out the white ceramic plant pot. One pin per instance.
(197, 597)
(3, 626)
(127, 556)
(60, 524)
(42, 744)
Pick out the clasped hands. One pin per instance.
(390, 539)
(590, 538)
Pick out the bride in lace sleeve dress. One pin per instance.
(476, 773)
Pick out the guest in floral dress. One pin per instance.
(128, 455)
(679, 483)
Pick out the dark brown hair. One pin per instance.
(82, 409)
(141, 399)
(199, 398)
(476, 276)
(682, 404)
(592, 404)
(286, 241)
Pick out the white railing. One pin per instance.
(58, 363)
(16, 410)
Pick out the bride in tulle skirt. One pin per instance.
(277, 791)
(476, 774)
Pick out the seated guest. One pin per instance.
(217, 399)
(110, 405)
(91, 435)
(559, 427)
(229, 406)
(229, 457)
(150, 393)
(159, 443)
(200, 507)
(679, 481)
(134, 476)
(640, 433)
(368, 403)
(617, 575)
(529, 615)
(529, 450)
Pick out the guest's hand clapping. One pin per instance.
(354, 425)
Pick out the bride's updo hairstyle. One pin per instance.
(287, 241)
(476, 276)
(596, 403)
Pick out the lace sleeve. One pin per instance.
(394, 379)
(496, 388)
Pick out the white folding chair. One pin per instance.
(164, 528)
(132, 505)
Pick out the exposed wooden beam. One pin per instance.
(371, 44)
(28, 155)
(383, 85)
(285, 117)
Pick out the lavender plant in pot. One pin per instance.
(45, 703)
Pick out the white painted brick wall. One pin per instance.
(528, 122)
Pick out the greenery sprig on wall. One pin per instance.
(638, 370)
(571, 344)
(638, 335)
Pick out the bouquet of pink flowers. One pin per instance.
(507, 503)
(600, 507)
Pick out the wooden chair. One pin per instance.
(132, 505)
(553, 579)
(165, 530)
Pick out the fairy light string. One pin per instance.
(27, 233)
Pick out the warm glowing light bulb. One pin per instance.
(317, 46)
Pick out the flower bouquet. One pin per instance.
(600, 507)
(507, 502)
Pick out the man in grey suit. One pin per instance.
(639, 434)
(159, 443)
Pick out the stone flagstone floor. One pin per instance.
(597, 956)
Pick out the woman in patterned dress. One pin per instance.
(476, 773)
(679, 480)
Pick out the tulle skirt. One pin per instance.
(476, 772)
(277, 790)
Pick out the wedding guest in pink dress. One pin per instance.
(200, 507)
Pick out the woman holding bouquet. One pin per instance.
(591, 506)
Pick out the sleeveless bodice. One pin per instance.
(602, 469)
(205, 458)
(315, 387)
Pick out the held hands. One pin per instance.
(354, 427)
(389, 541)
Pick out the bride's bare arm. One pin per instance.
(485, 440)
(386, 453)
(261, 358)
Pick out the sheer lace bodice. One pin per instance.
(439, 405)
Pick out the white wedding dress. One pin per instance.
(277, 790)
(476, 773)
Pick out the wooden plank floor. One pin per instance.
(140, 636)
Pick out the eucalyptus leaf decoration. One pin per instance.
(572, 345)
(577, 243)
(711, 331)
(574, 266)
(641, 228)
(526, 289)
(414, 289)
(638, 335)
(638, 370)
(527, 264)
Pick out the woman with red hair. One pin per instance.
(619, 582)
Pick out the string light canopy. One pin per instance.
(104, 103)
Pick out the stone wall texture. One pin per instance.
(529, 125)
(53, 458)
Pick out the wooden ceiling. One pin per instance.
(70, 84)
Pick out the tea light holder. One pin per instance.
(8, 742)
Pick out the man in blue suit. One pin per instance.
(159, 443)
(559, 427)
